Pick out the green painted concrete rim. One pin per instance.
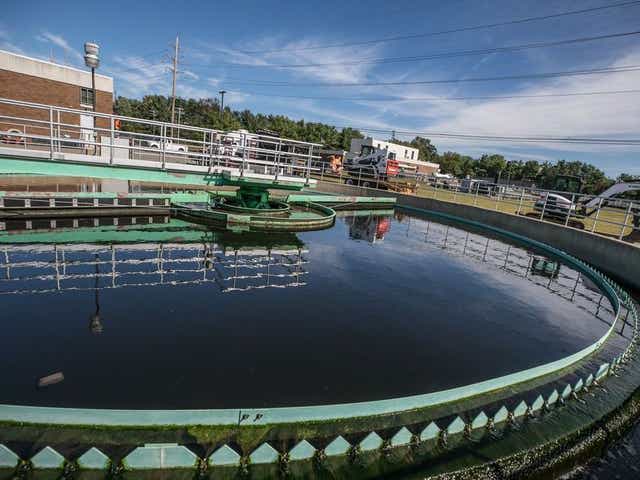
(262, 222)
(71, 169)
(214, 417)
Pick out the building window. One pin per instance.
(86, 97)
(412, 155)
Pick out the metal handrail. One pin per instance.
(513, 198)
(76, 111)
(246, 152)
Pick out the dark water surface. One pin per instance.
(373, 308)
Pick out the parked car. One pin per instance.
(13, 136)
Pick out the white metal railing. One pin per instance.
(615, 217)
(109, 139)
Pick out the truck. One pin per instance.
(377, 167)
(169, 146)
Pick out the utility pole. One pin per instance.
(173, 90)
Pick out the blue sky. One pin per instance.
(136, 36)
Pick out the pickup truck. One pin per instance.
(169, 146)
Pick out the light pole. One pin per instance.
(92, 60)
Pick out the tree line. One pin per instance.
(205, 112)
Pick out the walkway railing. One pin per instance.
(614, 217)
(64, 133)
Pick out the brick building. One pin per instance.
(38, 81)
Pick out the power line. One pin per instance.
(454, 30)
(527, 139)
(569, 73)
(437, 56)
(441, 99)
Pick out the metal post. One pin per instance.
(520, 201)
(278, 148)
(210, 151)
(566, 220)
(57, 143)
(475, 200)
(243, 142)
(626, 219)
(595, 220)
(455, 192)
(113, 136)
(51, 133)
(309, 165)
(163, 143)
(93, 87)
(544, 207)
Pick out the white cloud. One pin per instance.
(135, 76)
(189, 74)
(294, 56)
(610, 116)
(5, 42)
(59, 41)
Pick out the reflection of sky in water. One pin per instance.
(384, 316)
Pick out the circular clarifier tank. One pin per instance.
(376, 307)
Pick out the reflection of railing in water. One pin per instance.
(564, 282)
(77, 267)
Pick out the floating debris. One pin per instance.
(51, 379)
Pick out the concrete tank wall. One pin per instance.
(618, 259)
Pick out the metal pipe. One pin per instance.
(113, 138)
(626, 219)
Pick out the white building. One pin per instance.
(407, 156)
